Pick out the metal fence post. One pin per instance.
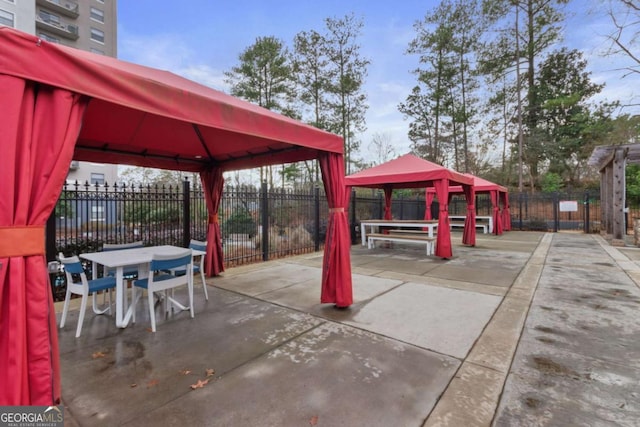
(316, 218)
(50, 236)
(353, 216)
(186, 212)
(556, 219)
(586, 212)
(50, 249)
(520, 210)
(380, 206)
(265, 221)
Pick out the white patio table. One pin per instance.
(430, 225)
(118, 260)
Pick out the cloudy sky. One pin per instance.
(202, 39)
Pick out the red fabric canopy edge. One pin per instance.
(407, 171)
(150, 90)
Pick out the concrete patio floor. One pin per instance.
(523, 329)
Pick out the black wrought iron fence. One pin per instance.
(578, 211)
(256, 223)
(88, 215)
(557, 211)
(260, 224)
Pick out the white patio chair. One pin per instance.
(198, 264)
(159, 280)
(73, 266)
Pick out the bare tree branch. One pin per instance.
(617, 37)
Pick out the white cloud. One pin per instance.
(205, 75)
(383, 116)
(168, 52)
(163, 51)
(588, 31)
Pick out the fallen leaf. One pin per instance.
(134, 385)
(210, 372)
(153, 383)
(199, 384)
(185, 372)
(314, 420)
(149, 330)
(98, 354)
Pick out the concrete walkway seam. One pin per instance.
(627, 265)
(473, 394)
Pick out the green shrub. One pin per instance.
(239, 222)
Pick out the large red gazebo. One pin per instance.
(60, 104)
(410, 171)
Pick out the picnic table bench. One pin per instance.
(482, 221)
(374, 224)
(459, 224)
(415, 237)
(414, 232)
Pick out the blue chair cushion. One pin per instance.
(166, 264)
(182, 271)
(127, 272)
(101, 284)
(74, 267)
(144, 283)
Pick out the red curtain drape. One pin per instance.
(443, 239)
(497, 218)
(506, 213)
(212, 184)
(469, 233)
(429, 199)
(387, 202)
(336, 267)
(40, 126)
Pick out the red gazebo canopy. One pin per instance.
(410, 171)
(147, 117)
(60, 104)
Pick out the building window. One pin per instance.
(97, 35)
(97, 14)
(97, 213)
(48, 38)
(98, 51)
(97, 178)
(6, 18)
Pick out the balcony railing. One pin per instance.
(68, 31)
(63, 7)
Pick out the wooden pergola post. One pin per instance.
(605, 206)
(617, 198)
(611, 162)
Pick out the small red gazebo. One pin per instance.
(410, 171)
(498, 194)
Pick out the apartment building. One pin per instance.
(89, 25)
